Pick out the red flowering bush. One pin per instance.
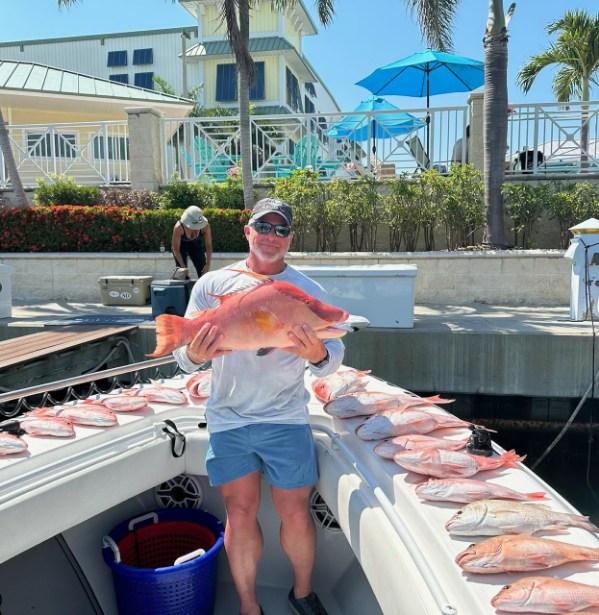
(74, 228)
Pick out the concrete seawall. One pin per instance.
(530, 278)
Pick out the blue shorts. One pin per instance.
(285, 454)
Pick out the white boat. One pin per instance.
(380, 548)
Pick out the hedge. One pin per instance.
(75, 228)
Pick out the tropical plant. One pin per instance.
(525, 204)
(402, 214)
(11, 165)
(576, 50)
(572, 204)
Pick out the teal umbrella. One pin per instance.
(426, 73)
(363, 125)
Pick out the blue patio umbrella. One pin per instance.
(426, 73)
(358, 127)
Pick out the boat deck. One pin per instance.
(37, 345)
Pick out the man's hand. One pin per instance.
(306, 344)
(205, 345)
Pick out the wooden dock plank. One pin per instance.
(36, 345)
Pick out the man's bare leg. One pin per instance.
(298, 536)
(243, 537)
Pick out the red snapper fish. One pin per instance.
(43, 426)
(90, 415)
(258, 318)
(392, 423)
(158, 394)
(521, 553)
(546, 595)
(11, 445)
(340, 383)
(445, 464)
(467, 490)
(361, 403)
(388, 448)
(124, 403)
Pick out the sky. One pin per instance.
(364, 34)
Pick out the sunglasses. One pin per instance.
(281, 230)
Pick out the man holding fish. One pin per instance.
(259, 337)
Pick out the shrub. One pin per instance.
(108, 229)
(137, 199)
(178, 194)
(401, 209)
(227, 194)
(63, 190)
(525, 204)
(571, 205)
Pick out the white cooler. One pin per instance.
(384, 294)
(5, 291)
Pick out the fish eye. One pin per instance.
(506, 587)
(458, 513)
(472, 545)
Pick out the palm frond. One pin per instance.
(567, 84)
(536, 64)
(436, 21)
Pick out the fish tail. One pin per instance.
(437, 399)
(583, 523)
(511, 458)
(169, 334)
(536, 495)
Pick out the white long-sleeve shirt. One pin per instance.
(247, 388)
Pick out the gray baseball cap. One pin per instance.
(271, 205)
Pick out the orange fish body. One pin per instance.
(251, 319)
(546, 595)
(521, 553)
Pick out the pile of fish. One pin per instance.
(419, 436)
(59, 421)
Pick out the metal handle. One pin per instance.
(109, 543)
(189, 556)
(136, 520)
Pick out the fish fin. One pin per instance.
(536, 495)
(169, 334)
(437, 399)
(262, 352)
(222, 298)
(330, 333)
(253, 274)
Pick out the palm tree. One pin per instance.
(577, 51)
(9, 159)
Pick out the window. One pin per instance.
(144, 80)
(143, 56)
(123, 78)
(41, 145)
(294, 98)
(117, 58)
(257, 90)
(310, 89)
(309, 105)
(118, 148)
(226, 83)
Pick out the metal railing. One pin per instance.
(548, 138)
(336, 145)
(92, 153)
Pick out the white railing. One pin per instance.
(547, 138)
(385, 143)
(93, 153)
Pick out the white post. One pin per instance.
(144, 148)
(476, 149)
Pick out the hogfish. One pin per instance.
(495, 517)
(258, 318)
(521, 553)
(198, 386)
(467, 490)
(546, 595)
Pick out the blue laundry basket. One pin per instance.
(165, 562)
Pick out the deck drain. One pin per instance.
(322, 513)
(183, 491)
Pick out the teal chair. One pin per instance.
(307, 152)
(206, 161)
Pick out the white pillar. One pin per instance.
(145, 153)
